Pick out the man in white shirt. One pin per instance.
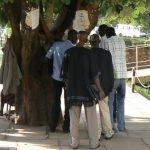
(117, 47)
(102, 32)
(106, 125)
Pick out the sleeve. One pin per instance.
(50, 52)
(104, 44)
(64, 67)
(94, 71)
(110, 70)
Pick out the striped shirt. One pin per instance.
(117, 48)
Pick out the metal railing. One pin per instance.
(138, 65)
(134, 76)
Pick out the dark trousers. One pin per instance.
(115, 109)
(56, 107)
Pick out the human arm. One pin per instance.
(99, 88)
(50, 52)
(64, 68)
(49, 59)
(96, 73)
(104, 44)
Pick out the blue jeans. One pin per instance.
(119, 89)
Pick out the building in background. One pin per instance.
(128, 30)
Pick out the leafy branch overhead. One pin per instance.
(128, 12)
(125, 11)
(30, 44)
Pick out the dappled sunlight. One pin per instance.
(6, 144)
(140, 120)
(13, 135)
(29, 145)
(137, 119)
(138, 124)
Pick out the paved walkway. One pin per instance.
(137, 136)
(140, 73)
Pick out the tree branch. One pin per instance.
(13, 13)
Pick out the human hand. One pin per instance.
(101, 94)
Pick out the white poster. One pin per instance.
(81, 21)
(32, 18)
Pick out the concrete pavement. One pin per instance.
(136, 137)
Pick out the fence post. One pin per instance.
(133, 80)
(137, 58)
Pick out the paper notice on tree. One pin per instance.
(32, 18)
(81, 21)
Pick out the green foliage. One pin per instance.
(5, 1)
(114, 11)
(126, 11)
(143, 91)
(67, 2)
(57, 3)
(136, 41)
(3, 18)
(144, 20)
(140, 89)
(1, 56)
(104, 7)
(118, 8)
(8, 30)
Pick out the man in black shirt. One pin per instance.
(78, 69)
(104, 62)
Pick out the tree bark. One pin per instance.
(37, 85)
(49, 15)
(35, 94)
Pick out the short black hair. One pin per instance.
(94, 37)
(94, 40)
(72, 36)
(110, 32)
(102, 29)
(82, 36)
(72, 32)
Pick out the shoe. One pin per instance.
(74, 146)
(95, 147)
(74, 143)
(115, 130)
(66, 130)
(52, 129)
(122, 130)
(108, 135)
(112, 132)
(102, 133)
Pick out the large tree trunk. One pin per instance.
(37, 85)
(35, 94)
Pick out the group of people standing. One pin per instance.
(75, 67)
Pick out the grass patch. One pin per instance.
(136, 41)
(1, 56)
(143, 91)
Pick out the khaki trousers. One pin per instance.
(92, 125)
(105, 120)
